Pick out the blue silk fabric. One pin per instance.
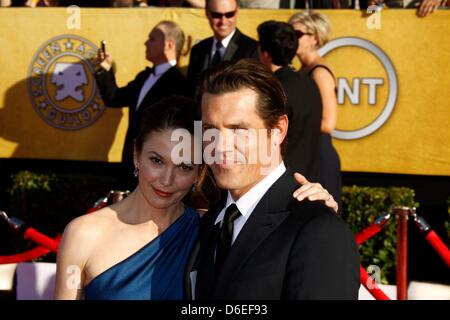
(154, 272)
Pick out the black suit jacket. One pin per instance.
(240, 47)
(305, 115)
(286, 250)
(172, 82)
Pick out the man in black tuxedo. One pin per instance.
(228, 43)
(278, 45)
(259, 242)
(164, 46)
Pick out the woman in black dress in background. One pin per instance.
(313, 31)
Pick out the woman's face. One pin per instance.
(306, 42)
(162, 181)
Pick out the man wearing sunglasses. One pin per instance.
(228, 43)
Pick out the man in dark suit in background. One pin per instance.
(228, 43)
(278, 44)
(164, 46)
(260, 242)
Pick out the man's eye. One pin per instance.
(240, 131)
(185, 167)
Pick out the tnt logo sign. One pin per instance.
(367, 86)
(61, 83)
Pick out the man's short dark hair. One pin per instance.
(279, 40)
(232, 76)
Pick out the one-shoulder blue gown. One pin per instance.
(154, 272)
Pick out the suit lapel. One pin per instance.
(208, 239)
(270, 212)
(190, 268)
(158, 85)
(232, 46)
(140, 84)
(206, 275)
(207, 55)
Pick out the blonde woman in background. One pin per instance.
(313, 31)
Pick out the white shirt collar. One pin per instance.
(247, 203)
(163, 67)
(159, 70)
(225, 42)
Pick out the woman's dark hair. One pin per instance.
(175, 112)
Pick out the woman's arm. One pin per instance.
(313, 192)
(71, 260)
(325, 83)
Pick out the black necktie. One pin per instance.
(217, 58)
(226, 235)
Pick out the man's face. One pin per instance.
(241, 146)
(221, 24)
(155, 45)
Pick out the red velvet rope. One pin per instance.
(46, 244)
(24, 256)
(364, 277)
(440, 247)
(28, 255)
(367, 233)
(41, 239)
(366, 280)
(92, 210)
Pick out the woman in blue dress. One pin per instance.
(138, 248)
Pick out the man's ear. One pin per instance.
(264, 57)
(170, 44)
(282, 127)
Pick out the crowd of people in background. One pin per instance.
(312, 107)
(425, 7)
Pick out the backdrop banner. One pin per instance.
(391, 69)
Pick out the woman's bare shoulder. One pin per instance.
(88, 228)
(322, 71)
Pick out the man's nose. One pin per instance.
(224, 142)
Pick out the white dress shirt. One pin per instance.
(225, 42)
(158, 71)
(247, 203)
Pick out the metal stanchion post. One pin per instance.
(402, 252)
